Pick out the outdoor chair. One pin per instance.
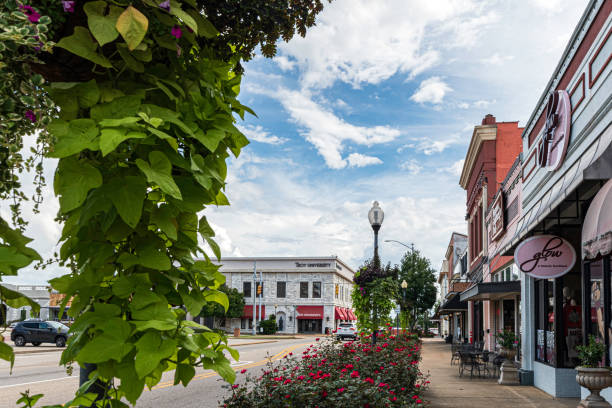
(469, 361)
(487, 361)
(455, 353)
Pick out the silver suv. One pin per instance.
(347, 330)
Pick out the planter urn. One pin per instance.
(595, 379)
(508, 372)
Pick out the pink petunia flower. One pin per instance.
(176, 32)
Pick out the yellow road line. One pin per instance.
(275, 357)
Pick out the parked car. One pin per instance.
(347, 330)
(37, 332)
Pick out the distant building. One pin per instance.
(306, 294)
(39, 293)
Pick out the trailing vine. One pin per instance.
(137, 101)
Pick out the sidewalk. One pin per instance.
(447, 389)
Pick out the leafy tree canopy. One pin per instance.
(137, 100)
(235, 301)
(420, 295)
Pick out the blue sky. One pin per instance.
(378, 102)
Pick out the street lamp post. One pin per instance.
(376, 217)
(404, 285)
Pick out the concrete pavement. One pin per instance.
(447, 389)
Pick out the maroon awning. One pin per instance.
(310, 312)
(351, 315)
(597, 226)
(247, 313)
(340, 314)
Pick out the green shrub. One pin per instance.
(269, 326)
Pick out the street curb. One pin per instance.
(255, 342)
(38, 351)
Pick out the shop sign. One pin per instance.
(497, 217)
(556, 133)
(545, 256)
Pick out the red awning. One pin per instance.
(499, 262)
(340, 314)
(310, 312)
(247, 313)
(350, 315)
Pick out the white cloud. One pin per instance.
(366, 42)
(258, 134)
(497, 59)
(284, 63)
(431, 90)
(360, 160)
(456, 168)
(411, 166)
(326, 131)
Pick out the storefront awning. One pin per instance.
(340, 314)
(351, 315)
(492, 291)
(310, 312)
(556, 192)
(452, 305)
(597, 227)
(247, 313)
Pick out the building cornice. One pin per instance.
(481, 134)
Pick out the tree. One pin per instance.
(373, 293)
(235, 304)
(138, 102)
(420, 295)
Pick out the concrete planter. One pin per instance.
(508, 372)
(595, 379)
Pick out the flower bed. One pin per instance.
(334, 374)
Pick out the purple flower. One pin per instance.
(30, 115)
(33, 16)
(176, 32)
(68, 5)
(165, 5)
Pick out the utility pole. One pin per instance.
(254, 290)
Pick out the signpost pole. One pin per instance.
(254, 290)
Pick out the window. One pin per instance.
(30, 325)
(246, 289)
(316, 289)
(281, 289)
(303, 289)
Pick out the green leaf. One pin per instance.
(148, 257)
(151, 351)
(225, 370)
(194, 300)
(214, 246)
(87, 93)
(131, 385)
(11, 260)
(80, 43)
(73, 137)
(73, 180)
(118, 108)
(6, 353)
(16, 299)
(129, 120)
(162, 217)
(214, 295)
(163, 135)
(17, 240)
(133, 26)
(211, 138)
(175, 9)
(110, 138)
(205, 229)
(158, 171)
(183, 373)
(129, 60)
(128, 197)
(103, 348)
(102, 26)
(221, 199)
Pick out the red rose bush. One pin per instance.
(334, 374)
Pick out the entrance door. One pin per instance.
(310, 325)
(509, 315)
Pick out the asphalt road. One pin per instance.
(40, 374)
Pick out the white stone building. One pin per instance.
(39, 293)
(306, 294)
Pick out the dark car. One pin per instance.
(37, 332)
